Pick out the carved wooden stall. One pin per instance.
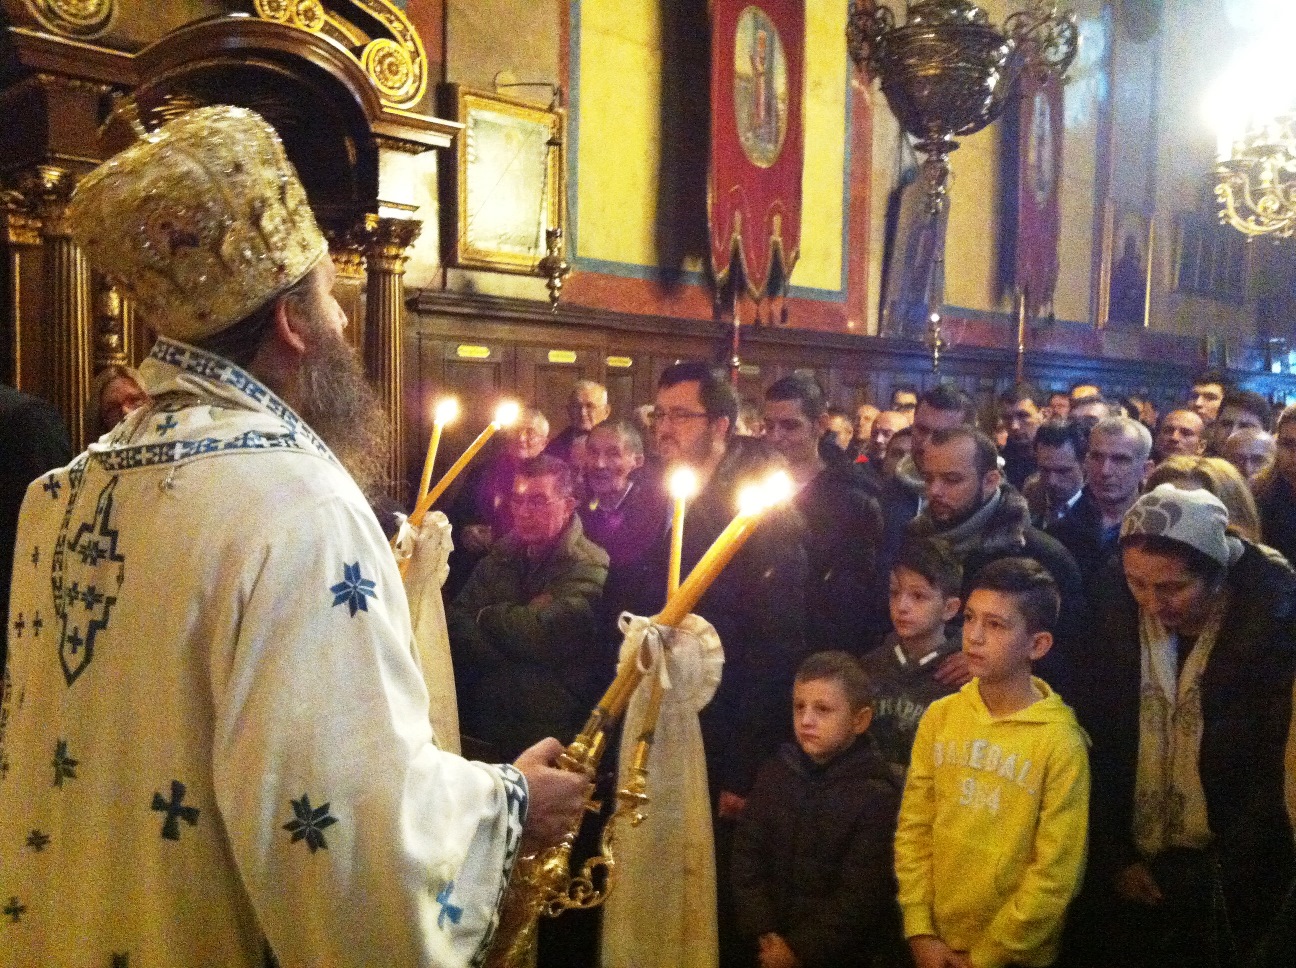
(346, 85)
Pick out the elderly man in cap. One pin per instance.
(216, 740)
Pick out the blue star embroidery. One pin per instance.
(353, 590)
(308, 824)
(448, 910)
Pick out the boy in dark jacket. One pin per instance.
(923, 596)
(812, 863)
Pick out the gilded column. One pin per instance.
(20, 230)
(112, 339)
(70, 301)
(348, 253)
(387, 246)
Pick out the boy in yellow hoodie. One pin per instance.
(990, 846)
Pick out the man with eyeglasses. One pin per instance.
(587, 407)
(757, 605)
(481, 512)
(522, 628)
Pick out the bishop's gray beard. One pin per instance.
(339, 405)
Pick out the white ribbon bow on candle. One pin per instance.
(645, 637)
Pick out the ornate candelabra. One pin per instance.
(1256, 179)
(946, 73)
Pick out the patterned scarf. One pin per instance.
(1169, 802)
(962, 538)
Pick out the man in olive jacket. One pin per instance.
(522, 628)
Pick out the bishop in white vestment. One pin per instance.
(215, 741)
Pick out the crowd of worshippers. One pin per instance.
(1000, 688)
(1022, 566)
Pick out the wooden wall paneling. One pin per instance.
(855, 368)
(547, 373)
(452, 367)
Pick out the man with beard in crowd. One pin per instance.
(1023, 416)
(757, 605)
(982, 518)
(218, 740)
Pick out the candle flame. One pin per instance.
(683, 484)
(507, 413)
(447, 409)
(778, 488)
(775, 489)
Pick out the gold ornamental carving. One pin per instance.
(306, 14)
(74, 18)
(21, 225)
(387, 242)
(47, 190)
(396, 64)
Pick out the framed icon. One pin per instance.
(506, 183)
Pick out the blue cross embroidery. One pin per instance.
(76, 641)
(64, 765)
(51, 487)
(14, 910)
(18, 626)
(308, 824)
(174, 812)
(448, 910)
(37, 841)
(90, 598)
(37, 625)
(166, 426)
(352, 590)
(35, 555)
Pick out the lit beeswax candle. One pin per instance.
(505, 416)
(754, 500)
(446, 410)
(683, 486)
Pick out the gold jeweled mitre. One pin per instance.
(201, 223)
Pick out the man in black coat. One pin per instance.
(844, 598)
(33, 440)
(757, 605)
(1116, 463)
(1276, 493)
(969, 506)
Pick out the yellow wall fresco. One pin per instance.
(618, 150)
(823, 174)
(620, 103)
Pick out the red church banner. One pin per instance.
(1039, 174)
(754, 190)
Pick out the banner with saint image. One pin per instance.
(754, 189)
(1039, 175)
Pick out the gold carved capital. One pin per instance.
(47, 190)
(74, 18)
(21, 226)
(387, 241)
(348, 258)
